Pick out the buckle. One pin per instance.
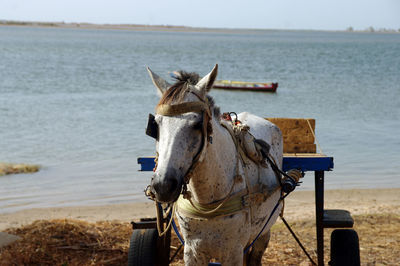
(149, 194)
(246, 200)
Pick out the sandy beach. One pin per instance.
(299, 205)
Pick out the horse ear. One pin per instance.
(161, 84)
(206, 83)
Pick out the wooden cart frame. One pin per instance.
(299, 136)
(324, 218)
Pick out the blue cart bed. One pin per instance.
(302, 161)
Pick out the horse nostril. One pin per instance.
(165, 189)
(172, 184)
(166, 184)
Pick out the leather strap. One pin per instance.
(181, 108)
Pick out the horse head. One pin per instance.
(182, 129)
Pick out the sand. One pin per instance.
(299, 205)
(100, 235)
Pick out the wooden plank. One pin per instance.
(304, 155)
(290, 138)
(295, 126)
(292, 122)
(299, 148)
(297, 135)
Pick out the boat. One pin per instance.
(245, 85)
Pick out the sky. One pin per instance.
(258, 14)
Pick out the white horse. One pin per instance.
(198, 156)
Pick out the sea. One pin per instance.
(76, 102)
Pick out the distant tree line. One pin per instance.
(372, 29)
(26, 23)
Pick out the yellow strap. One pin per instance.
(236, 203)
(198, 210)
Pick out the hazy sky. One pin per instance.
(270, 14)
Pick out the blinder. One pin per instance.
(152, 127)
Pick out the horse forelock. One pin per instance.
(177, 92)
(189, 77)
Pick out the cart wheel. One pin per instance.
(143, 247)
(345, 249)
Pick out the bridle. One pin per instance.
(152, 130)
(201, 106)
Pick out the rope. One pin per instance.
(313, 133)
(295, 174)
(171, 214)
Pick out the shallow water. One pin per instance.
(76, 102)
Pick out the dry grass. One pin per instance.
(379, 241)
(72, 242)
(9, 168)
(68, 242)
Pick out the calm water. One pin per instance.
(76, 102)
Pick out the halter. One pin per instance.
(197, 107)
(152, 130)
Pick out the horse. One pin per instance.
(223, 199)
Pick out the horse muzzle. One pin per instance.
(166, 186)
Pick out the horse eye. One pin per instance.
(198, 126)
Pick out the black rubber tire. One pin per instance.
(345, 248)
(143, 247)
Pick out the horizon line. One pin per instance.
(168, 27)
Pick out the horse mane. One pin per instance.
(177, 92)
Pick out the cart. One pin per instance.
(344, 248)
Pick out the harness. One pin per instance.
(231, 203)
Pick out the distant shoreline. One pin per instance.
(169, 28)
